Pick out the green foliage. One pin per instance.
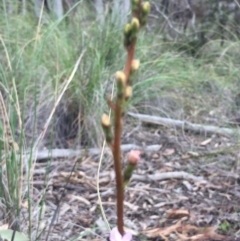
(225, 226)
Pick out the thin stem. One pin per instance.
(118, 122)
(117, 165)
(131, 51)
(117, 144)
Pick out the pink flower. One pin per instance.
(116, 236)
(134, 156)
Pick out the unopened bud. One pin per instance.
(106, 123)
(146, 8)
(135, 24)
(135, 65)
(128, 92)
(134, 156)
(121, 77)
(127, 29)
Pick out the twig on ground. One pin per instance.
(185, 125)
(70, 153)
(167, 175)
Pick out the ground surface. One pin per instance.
(203, 205)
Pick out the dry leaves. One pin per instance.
(177, 214)
(185, 232)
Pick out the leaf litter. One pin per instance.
(191, 197)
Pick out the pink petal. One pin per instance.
(116, 236)
(127, 237)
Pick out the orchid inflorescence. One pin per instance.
(124, 79)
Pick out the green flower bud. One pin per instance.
(146, 8)
(127, 29)
(135, 25)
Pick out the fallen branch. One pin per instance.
(167, 175)
(185, 125)
(69, 153)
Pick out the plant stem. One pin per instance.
(117, 143)
(118, 166)
(130, 56)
